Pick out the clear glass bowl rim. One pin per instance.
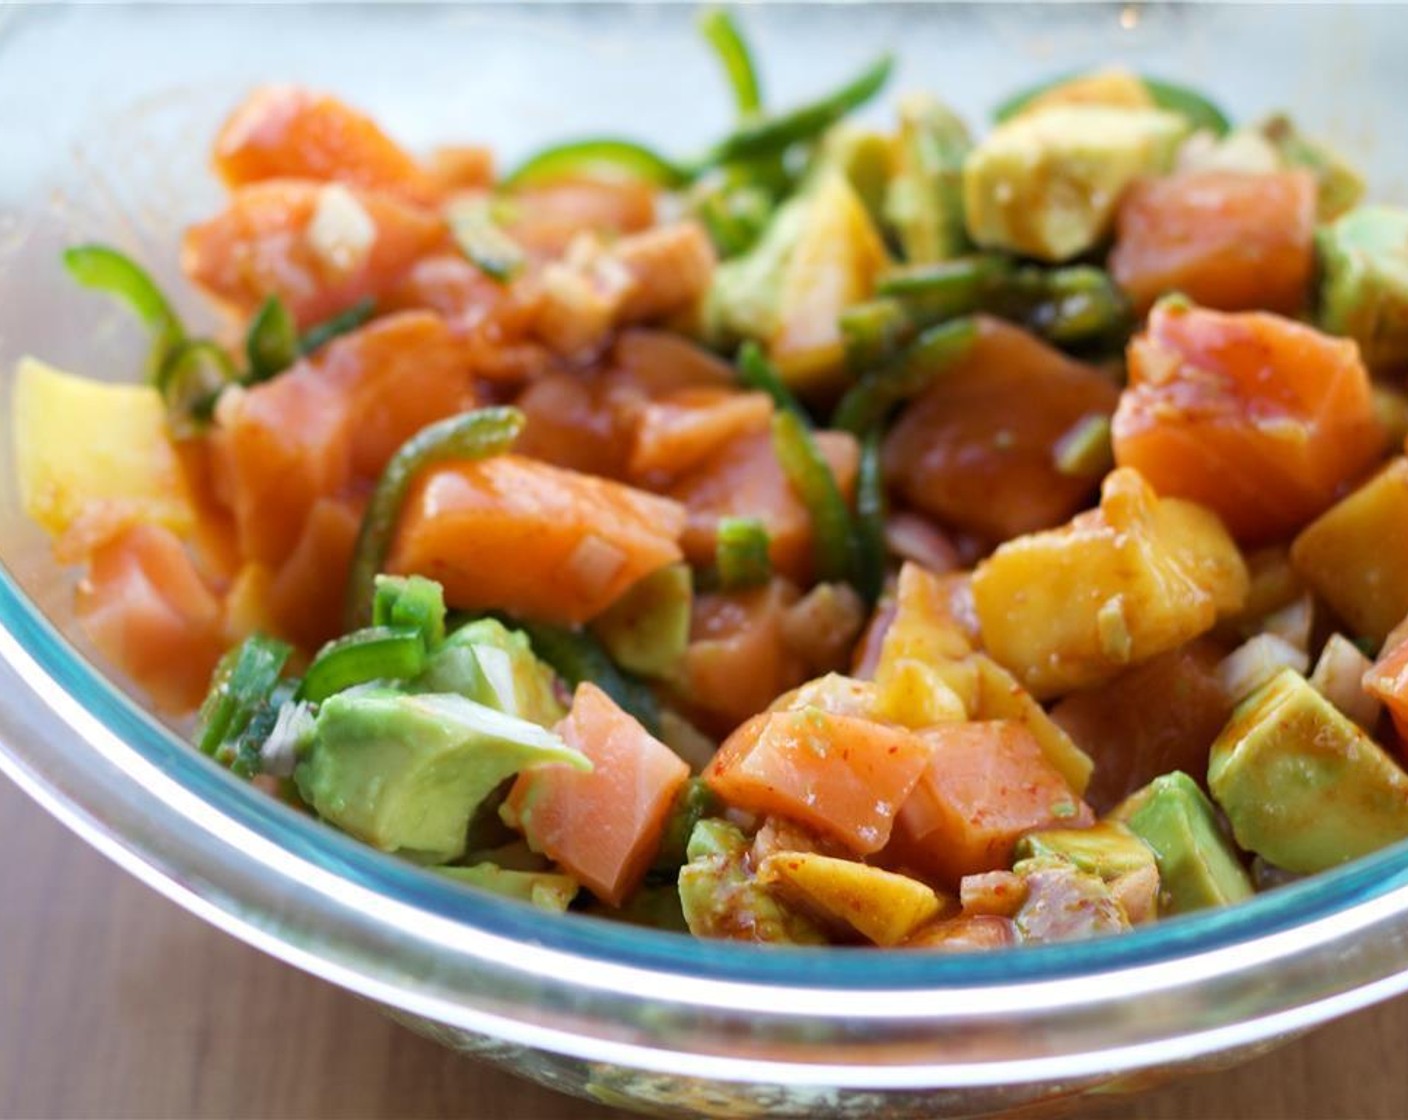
(439, 927)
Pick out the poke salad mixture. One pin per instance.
(909, 535)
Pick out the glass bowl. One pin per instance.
(106, 114)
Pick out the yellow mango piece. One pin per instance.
(834, 265)
(1113, 87)
(915, 694)
(925, 625)
(1001, 696)
(923, 667)
(1195, 539)
(834, 693)
(879, 905)
(81, 444)
(1073, 607)
(1354, 557)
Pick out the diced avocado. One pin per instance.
(1065, 904)
(1197, 866)
(1346, 558)
(820, 255)
(646, 630)
(1303, 786)
(410, 601)
(406, 772)
(1340, 187)
(489, 663)
(743, 300)
(1364, 282)
(456, 669)
(924, 203)
(1107, 849)
(1112, 87)
(721, 897)
(1048, 185)
(881, 906)
(866, 158)
(544, 889)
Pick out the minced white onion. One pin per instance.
(1339, 678)
(1255, 662)
(341, 233)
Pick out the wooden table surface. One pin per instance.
(115, 1003)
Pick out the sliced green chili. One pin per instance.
(105, 269)
(473, 435)
(870, 520)
(735, 216)
(377, 653)
(874, 332)
(597, 154)
(694, 801)
(191, 380)
(722, 33)
(1069, 305)
(242, 682)
(959, 283)
(772, 134)
(576, 656)
(1190, 104)
(111, 271)
(741, 553)
(868, 402)
(483, 241)
(243, 753)
(271, 345)
(756, 372)
(344, 322)
(410, 601)
(810, 476)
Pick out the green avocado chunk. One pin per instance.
(1338, 186)
(1303, 786)
(1364, 282)
(1197, 866)
(1048, 185)
(646, 630)
(406, 772)
(413, 602)
(864, 157)
(488, 663)
(546, 890)
(924, 202)
(1107, 849)
(721, 898)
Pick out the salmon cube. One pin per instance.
(604, 825)
(509, 533)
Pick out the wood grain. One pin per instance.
(115, 1003)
